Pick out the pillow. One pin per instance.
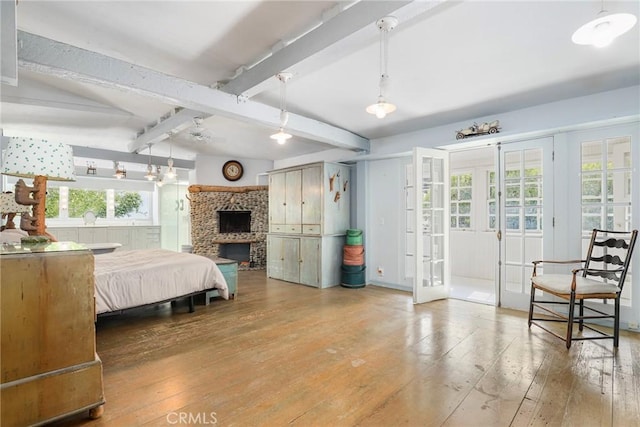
(12, 235)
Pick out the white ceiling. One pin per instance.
(449, 61)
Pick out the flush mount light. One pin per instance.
(601, 31)
(381, 108)
(282, 136)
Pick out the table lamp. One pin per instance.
(41, 160)
(10, 208)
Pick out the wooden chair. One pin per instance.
(600, 278)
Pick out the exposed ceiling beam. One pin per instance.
(340, 26)
(176, 122)
(118, 156)
(68, 62)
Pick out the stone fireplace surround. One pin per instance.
(207, 200)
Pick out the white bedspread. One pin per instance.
(126, 279)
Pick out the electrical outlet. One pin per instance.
(633, 325)
(380, 271)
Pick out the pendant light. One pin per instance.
(171, 173)
(150, 176)
(381, 108)
(601, 31)
(282, 136)
(120, 171)
(160, 181)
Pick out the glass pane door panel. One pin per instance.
(523, 207)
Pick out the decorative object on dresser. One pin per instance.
(49, 365)
(308, 218)
(40, 160)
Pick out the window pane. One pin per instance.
(465, 222)
(465, 194)
(464, 208)
(81, 201)
(592, 156)
(133, 204)
(52, 203)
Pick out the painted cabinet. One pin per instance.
(308, 218)
(130, 237)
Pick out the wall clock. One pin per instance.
(232, 170)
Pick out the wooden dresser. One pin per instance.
(50, 368)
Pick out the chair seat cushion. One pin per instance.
(561, 283)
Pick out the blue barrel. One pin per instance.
(353, 276)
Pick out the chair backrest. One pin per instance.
(610, 250)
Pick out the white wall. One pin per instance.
(209, 171)
(383, 197)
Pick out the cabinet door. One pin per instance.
(291, 252)
(92, 235)
(120, 235)
(293, 200)
(311, 198)
(310, 261)
(275, 257)
(277, 201)
(65, 234)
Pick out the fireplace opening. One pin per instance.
(240, 252)
(234, 221)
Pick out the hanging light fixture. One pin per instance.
(120, 171)
(171, 173)
(282, 136)
(381, 108)
(601, 31)
(160, 181)
(150, 176)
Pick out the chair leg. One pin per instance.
(572, 302)
(533, 294)
(616, 322)
(580, 327)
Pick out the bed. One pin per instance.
(128, 279)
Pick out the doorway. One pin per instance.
(473, 225)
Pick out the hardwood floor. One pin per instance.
(283, 354)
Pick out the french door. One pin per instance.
(427, 182)
(525, 216)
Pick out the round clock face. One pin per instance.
(232, 170)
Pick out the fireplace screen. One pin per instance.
(234, 221)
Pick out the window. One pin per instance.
(64, 202)
(606, 184)
(491, 200)
(461, 193)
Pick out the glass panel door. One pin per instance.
(432, 219)
(174, 216)
(526, 215)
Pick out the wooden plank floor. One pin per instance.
(285, 354)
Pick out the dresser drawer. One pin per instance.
(311, 229)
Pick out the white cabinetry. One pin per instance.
(308, 218)
(130, 237)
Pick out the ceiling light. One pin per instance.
(91, 168)
(160, 182)
(282, 136)
(601, 31)
(120, 171)
(171, 173)
(149, 175)
(381, 108)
